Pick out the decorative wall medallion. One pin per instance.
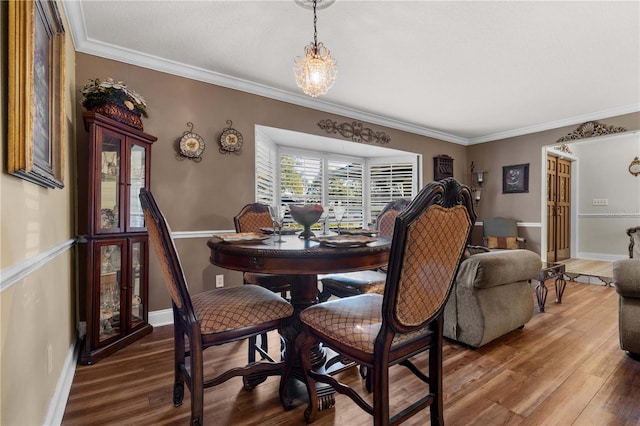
(591, 129)
(191, 145)
(354, 131)
(230, 140)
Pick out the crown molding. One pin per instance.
(601, 115)
(75, 17)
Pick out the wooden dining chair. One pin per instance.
(210, 318)
(251, 218)
(379, 331)
(370, 281)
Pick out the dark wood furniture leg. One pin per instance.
(304, 293)
(541, 294)
(561, 283)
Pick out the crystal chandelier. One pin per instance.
(317, 71)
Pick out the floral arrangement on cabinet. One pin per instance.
(102, 91)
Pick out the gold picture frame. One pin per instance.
(36, 92)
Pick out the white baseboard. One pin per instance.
(600, 256)
(58, 403)
(159, 318)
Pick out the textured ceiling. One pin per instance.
(466, 72)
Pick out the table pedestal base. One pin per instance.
(304, 293)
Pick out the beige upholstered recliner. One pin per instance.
(626, 277)
(491, 296)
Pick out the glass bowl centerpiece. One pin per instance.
(306, 215)
(115, 100)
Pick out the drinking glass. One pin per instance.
(338, 211)
(277, 213)
(323, 218)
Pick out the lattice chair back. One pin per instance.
(428, 244)
(387, 218)
(252, 217)
(162, 242)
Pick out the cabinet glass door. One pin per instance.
(138, 176)
(109, 187)
(138, 298)
(109, 302)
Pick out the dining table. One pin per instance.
(303, 260)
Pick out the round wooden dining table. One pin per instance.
(303, 260)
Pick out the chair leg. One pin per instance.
(303, 348)
(435, 374)
(252, 349)
(289, 360)
(178, 362)
(197, 380)
(380, 379)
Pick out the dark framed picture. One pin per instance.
(515, 179)
(36, 93)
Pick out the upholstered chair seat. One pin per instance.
(233, 308)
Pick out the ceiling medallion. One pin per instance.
(591, 129)
(354, 131)
(317, 71)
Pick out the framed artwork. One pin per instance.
(36, 92)
(515, 178)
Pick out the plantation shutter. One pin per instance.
(390, 179)
(265, 170)
(345, 186)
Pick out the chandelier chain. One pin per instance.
(315, 25)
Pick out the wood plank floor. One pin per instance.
(564, 368)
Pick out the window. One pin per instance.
(364, 185)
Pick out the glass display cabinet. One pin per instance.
(113, 258)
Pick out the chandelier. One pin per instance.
(317, 71)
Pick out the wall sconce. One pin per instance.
(477, 193)
(477, 179)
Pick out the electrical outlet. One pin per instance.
(49, 358)
(219, 281)
(600, 202)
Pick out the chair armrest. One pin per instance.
(492, 269)
(626, 277)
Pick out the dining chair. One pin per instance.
(380, 331)
(210, 318)
(370, 281)
(251, 218)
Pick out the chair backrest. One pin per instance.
(428, 244)
(162, 243)
(500, 227)
(252, 217)
(634, 242)
(387, 218)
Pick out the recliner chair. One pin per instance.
(626, 277)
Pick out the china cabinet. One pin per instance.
(113, 254)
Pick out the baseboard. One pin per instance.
(159, 318)
(600, 256)
(58, 403)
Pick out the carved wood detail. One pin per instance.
(591, 129)
(354, 131)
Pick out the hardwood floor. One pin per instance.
(564, 368)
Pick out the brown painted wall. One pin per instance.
(525, 207)
(206, 195)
